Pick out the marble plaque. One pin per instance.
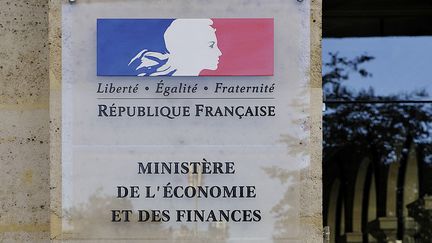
(184, 121)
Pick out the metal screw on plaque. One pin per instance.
(72, 1)
(300, 1)
(326, 234)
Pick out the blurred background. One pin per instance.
(377, 120)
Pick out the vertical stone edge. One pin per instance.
(311, 186)
(55, 71)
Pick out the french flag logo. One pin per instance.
(185, 47)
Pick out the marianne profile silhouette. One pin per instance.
(191, 45)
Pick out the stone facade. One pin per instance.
(30, 76)
(24, 112)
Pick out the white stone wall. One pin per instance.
(24, 123)
(27, 68)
